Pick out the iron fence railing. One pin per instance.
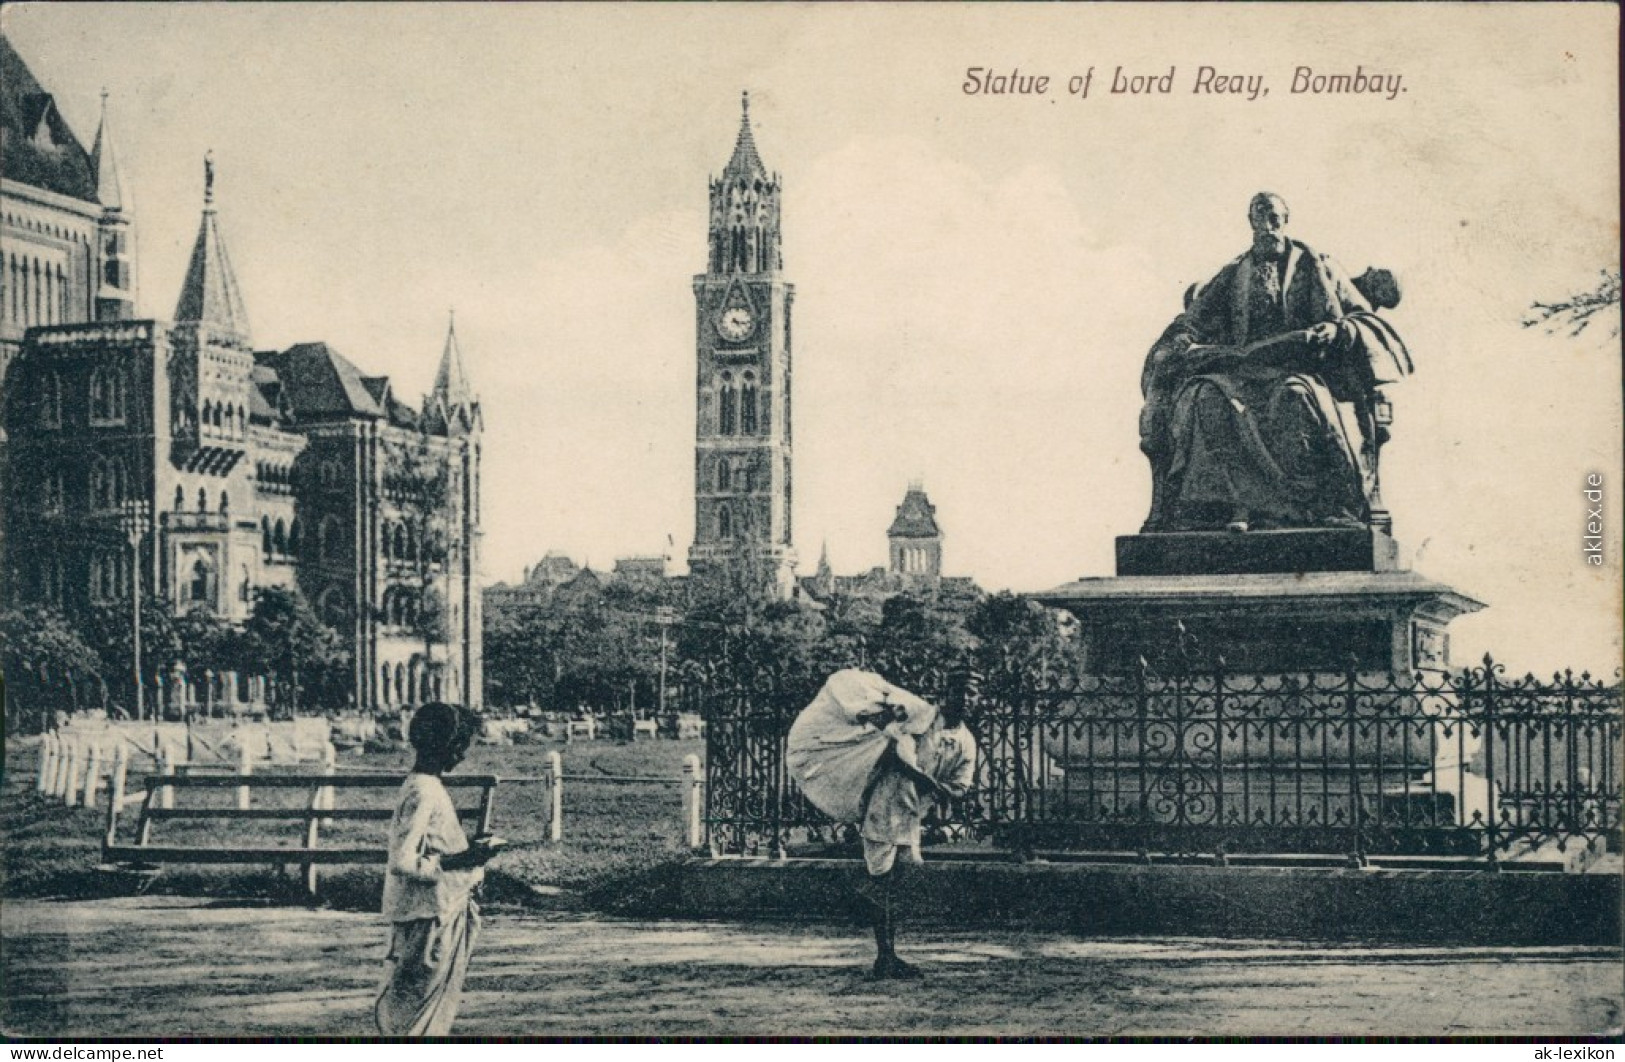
(1214, 763)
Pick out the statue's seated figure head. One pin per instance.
(1267, 213)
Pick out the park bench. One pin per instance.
(317, 811)
(581, 728)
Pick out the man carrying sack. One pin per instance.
(868, 752)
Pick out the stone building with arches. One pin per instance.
(255, 468)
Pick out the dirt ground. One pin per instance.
(136, 967)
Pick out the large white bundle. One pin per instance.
(831, 754)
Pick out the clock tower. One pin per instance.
(742, 485)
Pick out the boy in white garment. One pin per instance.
(913, 773)
(429, 886)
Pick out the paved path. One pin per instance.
(139, 966)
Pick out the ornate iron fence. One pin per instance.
(1213, 763)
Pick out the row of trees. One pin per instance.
(606, 646)
(51, 664)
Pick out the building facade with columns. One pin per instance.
(254, 468)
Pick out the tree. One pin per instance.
(1577, 312)
(420, 485)
(46, 664)
(285, 639)
(109, 629)
(1017, 641)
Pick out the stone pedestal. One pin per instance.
(1309, 600)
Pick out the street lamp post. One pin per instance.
(665, 615)
(135, 522)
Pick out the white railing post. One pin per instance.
(245, 765)
(59, 766)
(75, 773)
(166, 767)
(115, 792)
(47, 761)
(93, 775)
(693, 802)
(330, 766)
(553, 770)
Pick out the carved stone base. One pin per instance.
(1257, 552)
(1373, 621)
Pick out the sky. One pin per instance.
(978, 276)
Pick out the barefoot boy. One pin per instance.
(914, 771)
(428, 889)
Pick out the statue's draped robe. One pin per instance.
(1281, 437)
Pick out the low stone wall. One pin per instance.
(1461, 907)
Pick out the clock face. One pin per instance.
(735, 323)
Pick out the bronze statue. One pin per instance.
(1262, 401)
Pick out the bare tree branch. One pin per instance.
(1576, 313)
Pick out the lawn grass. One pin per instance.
(613, 833)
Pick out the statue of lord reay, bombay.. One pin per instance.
(1263, 407)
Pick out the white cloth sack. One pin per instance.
(831, 755)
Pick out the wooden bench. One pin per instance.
(317, 811)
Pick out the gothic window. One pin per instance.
(231, 420)
(387, 541)
(201, 583)
(108, 576)
(295, 539)
(279, 539)
(53, 491)
(180, 497)
(24, 316)
(333, 606)
(383, 682)
(53, 582)
(107, 395)
(725, 527)
(267, 545)
(202, 500)
(225, 504)
(108, 484)
(722, 474)
(242, 421)
(328, 538)
(48, 316)
(747, 405)
(51, 400)
(728, 416)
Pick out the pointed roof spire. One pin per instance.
(451, 382)
(104, 160)
(745, 160)
(209, 295)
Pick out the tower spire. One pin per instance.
(745, 160)
(209, 295)
(115, 244)
(452, 403)
(109, 178)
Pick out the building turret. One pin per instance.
(914, 537)
(452, 407)
(745, 209)
(210, 299)
(115, 272)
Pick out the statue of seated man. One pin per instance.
(1261, 398)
